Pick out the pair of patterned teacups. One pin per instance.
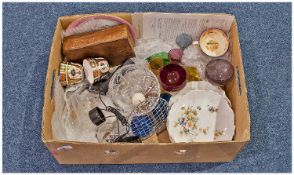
(73, 73)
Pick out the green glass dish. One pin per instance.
(158, 60)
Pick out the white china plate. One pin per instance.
(224, 124)
(198, 85)
(225, 127)
(201, 102)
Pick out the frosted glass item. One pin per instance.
(147, 47)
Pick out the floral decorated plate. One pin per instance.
(224, 127)
(192, 118)
(198, 85)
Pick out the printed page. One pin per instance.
(169, 25)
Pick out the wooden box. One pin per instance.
(114, 44)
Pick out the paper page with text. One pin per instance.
(168, 26)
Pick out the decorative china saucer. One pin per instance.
(198, 85)
(187, 120)
(192, 118)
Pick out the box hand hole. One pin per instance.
(181, 152)
(110, 152)
(238, 81)
(52, 84)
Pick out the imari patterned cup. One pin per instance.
(70, 73)
(95, 68)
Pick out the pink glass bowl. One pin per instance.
(173, 77)
(83, 20)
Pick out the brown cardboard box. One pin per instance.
(164, 152)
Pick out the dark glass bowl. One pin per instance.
(219, 71)
(173, 77)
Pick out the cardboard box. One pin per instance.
(70, 152)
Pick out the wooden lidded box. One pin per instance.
(72, 152)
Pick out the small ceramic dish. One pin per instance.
(214, 42)
(173, 77)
